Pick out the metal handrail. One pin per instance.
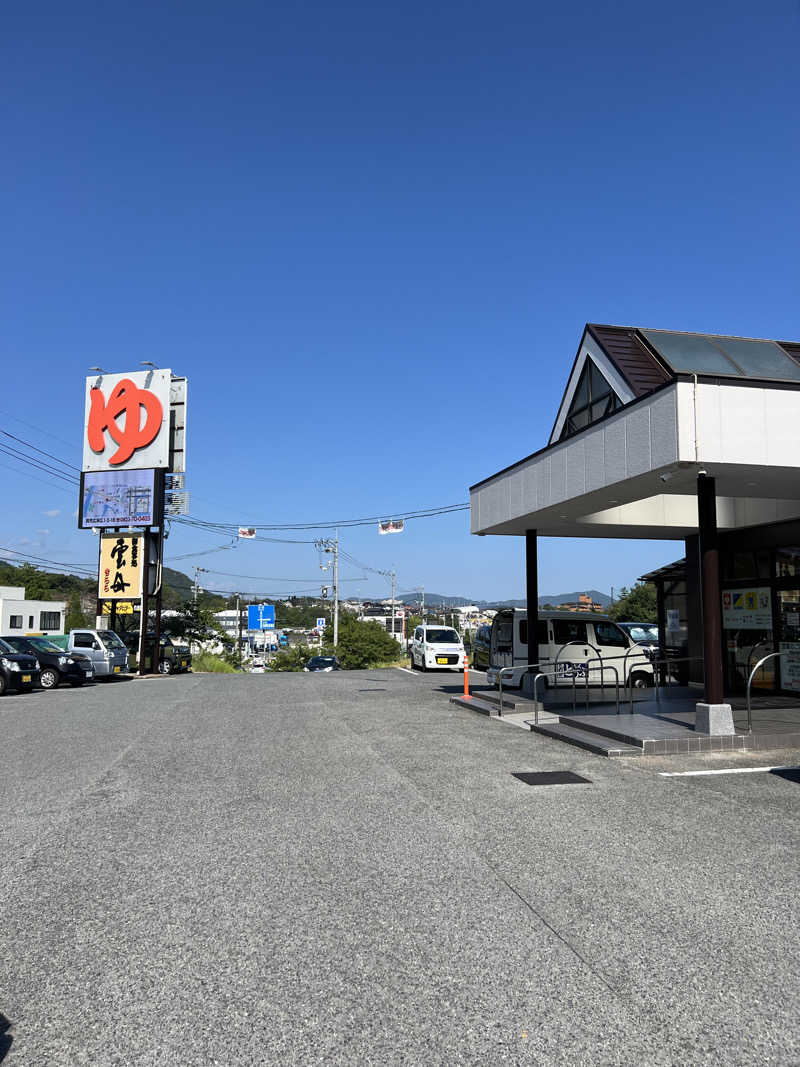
(512, 668)
(591, 659)
(585, 644)
(665, 661)
(749, 683)
(766, 641)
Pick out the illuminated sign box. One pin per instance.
(120, 498)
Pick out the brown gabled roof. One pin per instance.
(634, 360)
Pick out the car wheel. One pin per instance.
(165, 667)
(49, 678)
(423, 665)
(641, 681)
(3, 684)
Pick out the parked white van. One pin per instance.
(570, 643)
(434, 647)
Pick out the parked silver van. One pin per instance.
(571, 644)
(108, 654)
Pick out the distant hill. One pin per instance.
(548, 598)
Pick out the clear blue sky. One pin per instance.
(371, 237)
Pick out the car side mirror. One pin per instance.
(96, 645)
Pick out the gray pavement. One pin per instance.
(341, 869)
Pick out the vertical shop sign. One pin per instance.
(121, 566)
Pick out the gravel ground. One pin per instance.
(341, 869)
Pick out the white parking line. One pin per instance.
(405, 669)
(726, 770)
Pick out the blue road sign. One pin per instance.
(260, 616)
(320, 624)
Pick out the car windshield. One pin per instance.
(110, 639)
(442, 637)
(45, 646)
(5, 647)
(321, 661)
(15, 644)
(643, 633)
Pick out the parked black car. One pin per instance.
(56, 665)
(323, 663)
(480, 648)
(173, 655)
(18, 670)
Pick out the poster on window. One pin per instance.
(122, 564)
(790, 665)
(747, 609)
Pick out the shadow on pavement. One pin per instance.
(6, 1040)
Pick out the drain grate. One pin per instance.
(373, 690)
(550, 778)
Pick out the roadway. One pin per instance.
(341, 869)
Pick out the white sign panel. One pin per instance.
(747, 609)
(126, 424)
(790, 665)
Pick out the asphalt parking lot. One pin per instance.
(342, 869)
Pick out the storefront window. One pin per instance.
(789, 638)
(747, 622)
(746, 565)
(787, 562)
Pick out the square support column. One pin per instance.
(532, 596)
(712, 716)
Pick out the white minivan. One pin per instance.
(570, 645)
(435, 647)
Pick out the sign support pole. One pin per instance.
(145, 616)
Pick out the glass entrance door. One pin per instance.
(789, 638)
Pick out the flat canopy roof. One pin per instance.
(644, 411)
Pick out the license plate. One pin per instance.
(441, 659)
(117, 670)
(88, 673)
(26, 677)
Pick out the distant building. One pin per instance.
(583, 603)
(382, 614)
(21, 616)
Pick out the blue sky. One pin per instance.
(371, 237)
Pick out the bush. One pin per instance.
(290, 659)
(364, 644)
(211, 664)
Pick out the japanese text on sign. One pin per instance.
(121, 566)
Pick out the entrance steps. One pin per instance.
(600, 744)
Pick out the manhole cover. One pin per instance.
(550, 778)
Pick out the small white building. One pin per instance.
(21, 617)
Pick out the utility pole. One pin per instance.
(336, 590)
(333, 547)
(393, 622)
(239, 642)
(422, 590)
(197, 570)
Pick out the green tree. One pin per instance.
(75, 617)
(290, 659)
(638, 604)
(196, 624)
(412, 622)
(363, 644)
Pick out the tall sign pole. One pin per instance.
(134, 431)
(336, 590)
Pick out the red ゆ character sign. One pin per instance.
(128, 400)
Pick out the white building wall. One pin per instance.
(30, 612)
